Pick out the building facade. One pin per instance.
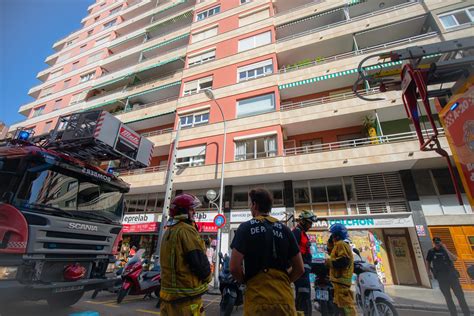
(281, 74)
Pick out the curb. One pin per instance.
(425, 308)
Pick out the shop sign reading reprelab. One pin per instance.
(240, 216)
(141, 223)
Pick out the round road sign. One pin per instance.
(219, 220)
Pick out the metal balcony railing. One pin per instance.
(326, 99)
(147, 105)
(323, 60)
(347, 144)
(144, 170)
(354, 19)
(158, 132)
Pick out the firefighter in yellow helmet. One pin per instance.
(341, 268)
(267, 249)
(185, 270)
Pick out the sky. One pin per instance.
(28, 29)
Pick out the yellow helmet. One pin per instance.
(308, 216)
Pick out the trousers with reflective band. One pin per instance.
(344, 299)
(269, 293)
(192, 307)
(177, 279)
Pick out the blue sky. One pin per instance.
(28, 29)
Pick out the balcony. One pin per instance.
(380, 154)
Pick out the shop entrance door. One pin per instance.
(402, 261)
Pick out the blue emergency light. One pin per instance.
(23, 135)
(454, 106)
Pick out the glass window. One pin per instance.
(208, 13)
(194, 119)
(87, 77)
(255, 41)
(245, 1)
(191, 156)
(256, 148)
(38, 111)
(196, 86)
(318, 193)
(256, 105)
(115, 10)
(301, 192)
(444, 183)
(202, 58)
(240, 199)
(255, 70)
(110, 24)
(66, 83)
(457, 18)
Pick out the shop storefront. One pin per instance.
(460, 240)
(140, 231)
(388, 239)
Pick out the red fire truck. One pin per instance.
(60, 212)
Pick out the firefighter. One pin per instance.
(341, 268)
(267, 249)
(303, 284)
(185, 269)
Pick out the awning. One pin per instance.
(309, 18)
(171, 6)
(128, 39)
(102, 104)
(337, 74)
(149, 117)
(155, 89)
(170, 21)
(111, 82)
(165, 42)
(159, 64)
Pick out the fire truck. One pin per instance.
(61, 206)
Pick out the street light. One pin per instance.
(210, 95)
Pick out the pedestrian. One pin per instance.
(303, 284)
(132, 252)
(440, 265)
(185, 270)
(271, 257)
(341, 268)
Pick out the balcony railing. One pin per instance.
(158, 132)
(251, 156)
(323, 60)
(357, 18)
(346, 144)
(147, 105)
(144, 170)
(327, 99)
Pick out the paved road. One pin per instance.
(105, 305)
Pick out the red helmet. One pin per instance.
(183, 203)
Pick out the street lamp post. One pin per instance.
(211, 96)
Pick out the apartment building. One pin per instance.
(280, 73)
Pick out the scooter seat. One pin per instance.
(150, 274)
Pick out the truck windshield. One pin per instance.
(56, 191)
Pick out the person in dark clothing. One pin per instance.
(439, 262)
(303, 284)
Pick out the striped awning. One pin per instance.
(102, 104)
(177, 3)
(309, 18)
(337, 74)
(149, 117)
(166, 42)
(128, 39)
(155, 89)
(111, 82)
(160, 64)
(170, 21)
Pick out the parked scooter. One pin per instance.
(231, 290)
(370, 293)
(137, 282)
(324, 291)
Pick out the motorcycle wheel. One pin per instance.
(227, 305)
(121, 294)
(384, 308)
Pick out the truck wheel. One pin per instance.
(63, 300)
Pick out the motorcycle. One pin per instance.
(137, 282)
(231, 290)
(324, 291)
(370, 293)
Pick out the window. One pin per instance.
(200, 36)
(471, 242)
(47, 91)
(255, 41)
(57, 104)
(256, 105)
(443, 182)
(457, 18)
(38, 111)
(196, 86)
(66, 83)
(97, 18)
(87, 77)
(47, 127)
(63, 57)
(82, 48)
(55, 74)
(261, 147)
(93, 58)
(301, 192)
(89, 33)
(78, 97)
(115, 10)
(312, 145)
(254, 17)
(75, 65)
(194, 119)
(202, 58)
(255, 70)
(208, 13)
(70, 42)
(191, 156)
(245, 1)
(110, 24)
(102, 40)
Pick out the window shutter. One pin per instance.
(256, 65)
(254, 17)
(55, 74)
(246, 44)
(94, 58)
(263, 39)
(191, 151)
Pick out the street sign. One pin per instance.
(219, 220)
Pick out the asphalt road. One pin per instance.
(105, 305)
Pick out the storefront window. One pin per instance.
(318, 193)
(301, 192)
(471, 242)
(423, 182)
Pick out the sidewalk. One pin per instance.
(418, 298)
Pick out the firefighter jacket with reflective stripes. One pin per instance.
(341, 263)
(181, 250)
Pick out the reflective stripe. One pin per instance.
(304, 290)
(194, 291)
(307, 266)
